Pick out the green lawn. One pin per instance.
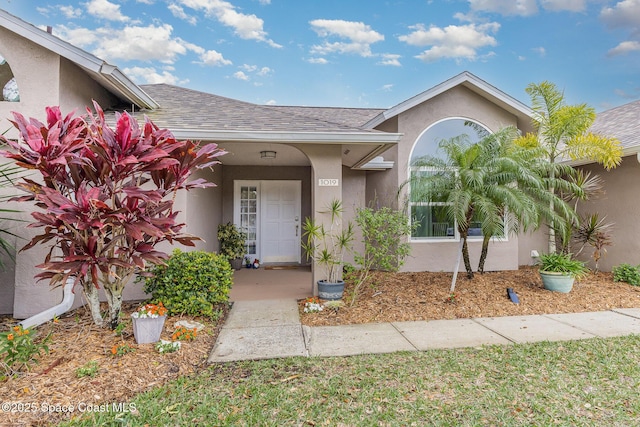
(589, 382)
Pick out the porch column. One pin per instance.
(326, 185)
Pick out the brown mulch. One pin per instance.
(388, 297)
(74, 342)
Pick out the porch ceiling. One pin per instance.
(242, 153)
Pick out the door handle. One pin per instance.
(296, 230)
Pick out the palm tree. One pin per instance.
(495, 182)
(563, 134)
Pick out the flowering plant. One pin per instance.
(184, 334)
(119, 350)
(167, 346)
(150, 311)
(18, 349)
(312, 305)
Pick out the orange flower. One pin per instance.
(114, 349)
(16, 328)
(10, 337)
(26, 332)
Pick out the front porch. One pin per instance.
(271, 282)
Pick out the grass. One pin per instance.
(588, 382)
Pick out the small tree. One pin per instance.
(383, 231)
(563, 134)
(106, 196)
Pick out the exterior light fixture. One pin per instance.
(267, 154)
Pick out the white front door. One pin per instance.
(269, 212)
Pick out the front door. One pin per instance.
(269, 212)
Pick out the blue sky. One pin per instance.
(354, 53)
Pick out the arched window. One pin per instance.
(8, 82)
(429, 217)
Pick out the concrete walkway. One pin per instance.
(272, 329)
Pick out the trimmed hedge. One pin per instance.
(192, 283)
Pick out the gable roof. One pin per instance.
(200, 115)
(623, 123)
(468, 80)
(107, 75)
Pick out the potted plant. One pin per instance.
(247, 262)
(232, 243)
(327, 244)
(558, 271)
(148, 322)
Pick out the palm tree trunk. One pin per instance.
(483, 254)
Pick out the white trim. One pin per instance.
(288, 137)
(466, 79)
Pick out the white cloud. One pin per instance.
(179, 13)
(453, 41)
(271, 102)
(265, 71)
(561, 5)
(506, 7)
(149, 75)
(150, 43)
(625, 48)
(387, 88)
(390, 59)
(70, 11)
(540, 50)
(359, 37)
(248, 27)
(145, 1)
(624, 14)
(104, 9)
(215, 58)
(317, 61)
(240, 76)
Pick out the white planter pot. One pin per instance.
(147, 330)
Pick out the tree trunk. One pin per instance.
(114, 298)
(465, 255)
(483, 254)
(91, 293)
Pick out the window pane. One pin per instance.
(431, 222)
(427, 144)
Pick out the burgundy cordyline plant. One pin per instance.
(105, 198)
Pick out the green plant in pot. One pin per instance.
(232, 243)
(327, 243)
(558, 271)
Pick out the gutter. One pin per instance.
(57, 310)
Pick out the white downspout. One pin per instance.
(57, 310)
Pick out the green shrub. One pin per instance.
(627, 273)
(192, 283)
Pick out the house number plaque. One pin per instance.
(328, 182)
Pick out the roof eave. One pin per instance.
(466, 79)
(288, 137)
(103, 72)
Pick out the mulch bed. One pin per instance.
(425, 296)
(386, 297)
(75, 341)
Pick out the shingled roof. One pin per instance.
(622, 122)
(182, 108)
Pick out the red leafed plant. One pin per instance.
(106, 196)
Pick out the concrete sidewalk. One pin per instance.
(271, 329)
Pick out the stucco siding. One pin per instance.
(78, 89)
(620, 204)
(37, 73)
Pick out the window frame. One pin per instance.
(411, 204)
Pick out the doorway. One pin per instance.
(269, 212)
